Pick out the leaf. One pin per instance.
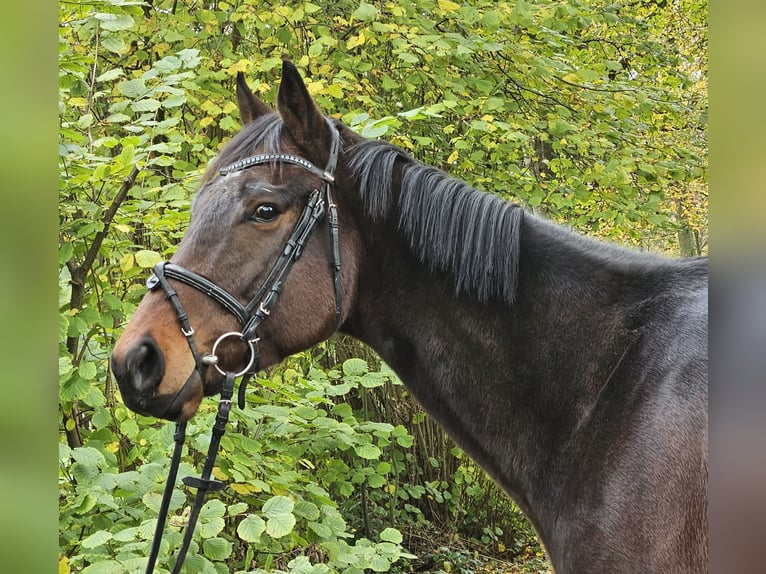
(104, 567)
(97, 539)
(114, 23)
(147, 105)
(376, 481)
(380, 564)
(321, 530)
(115, 44)
(280, 525)
(110, 75)
(217, 548)
(211, 527)
(277, 505)
(307, 510)
(372, 380)
(365, 12)
(367, 451)
(88, 455)
(448, 6)
(355, 366)
(132, 88)
(147, 259)
(251, 528)
(87, 370)
(300, 565)
(391, 535)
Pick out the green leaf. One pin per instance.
(217, 548)
(365, 12)
(355, 366)
(367, 451)
(104, 567)
(132, 88)
(372, 380)
(236, 508)
(110, 75)
(278, 505)
(97, 539)
(211, 526)
(89, 456)
(380, 564)
(87, 370)
(251, 528)
(321, 530)
(146, 105)
(147, 259)
(280, 525)
(376, 481)
(115, 44)
(307, 510)
(391, 535)
(114, 23)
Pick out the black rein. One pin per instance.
(250, 316)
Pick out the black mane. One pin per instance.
(451, 227)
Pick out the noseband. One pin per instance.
(250, 316)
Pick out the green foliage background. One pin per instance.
(592, 113)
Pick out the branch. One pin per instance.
(90, 256)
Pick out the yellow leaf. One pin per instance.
(448, 6)
(355, 41)
(64, 565)
(487, 118)
(219, 474)
(113, 447)
(126, 262)
(452, 157)
(242, 488)
(204, 122)
(315, 88)
(122, 227)
(335, 91)
(241, 66)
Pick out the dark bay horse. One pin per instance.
(574, 372)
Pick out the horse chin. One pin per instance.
(179, 406)
(186, 401)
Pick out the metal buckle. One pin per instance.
(250, 344)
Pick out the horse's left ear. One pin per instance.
(300, 114)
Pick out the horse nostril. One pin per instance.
(145, 365)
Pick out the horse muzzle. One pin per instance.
(139, 372)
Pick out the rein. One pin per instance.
(250, 316)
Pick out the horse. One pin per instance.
(573, 371)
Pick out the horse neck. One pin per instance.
(513, 384)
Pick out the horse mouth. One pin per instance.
(171, 407)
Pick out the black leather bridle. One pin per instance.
(250, 316)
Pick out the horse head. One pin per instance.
(205, 312)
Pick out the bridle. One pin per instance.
(250, 316)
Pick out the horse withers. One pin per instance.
(573, 371)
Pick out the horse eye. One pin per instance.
(265, 213)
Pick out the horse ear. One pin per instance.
(300, 114)
(250, 106)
